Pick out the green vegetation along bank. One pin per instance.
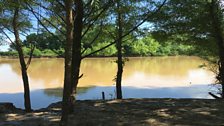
(146, 46)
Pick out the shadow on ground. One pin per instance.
(132, 112)
(127, 112)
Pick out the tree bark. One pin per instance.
(27, 102)
(119, 53)
(213, 95)
(76, 50)
(67, 98)
(217, 32)
(221, 65)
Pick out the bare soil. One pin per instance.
(127, 112)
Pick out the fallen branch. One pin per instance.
(214, 96)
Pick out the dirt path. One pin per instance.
(128, 112)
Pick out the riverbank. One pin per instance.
(128, 112)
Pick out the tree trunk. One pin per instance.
(76, 50)
(27, 102)
(119, 53)
(221, 65)
(217, 32)
(67, 98)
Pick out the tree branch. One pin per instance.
(45, 26)
(34, 13)
(30, 56)
(61, 4)
(133, 29)
(7, 37)
(214, 96)
(96, 18)
(52, 34)
(95, 38)
(48, 9)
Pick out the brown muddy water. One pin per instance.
(149, 77)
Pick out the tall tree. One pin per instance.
(217, 19)
(73, 54)
(119, 50)
(77, 48)
(67, 98)
(201, 25)
(87, 14)
(14, 25)
(76, 55)
(129, 15)
(23, 65)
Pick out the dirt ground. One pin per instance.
(128, 112)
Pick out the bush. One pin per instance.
(145, 47)
(110, 51)
(48, 53)
(37, 53)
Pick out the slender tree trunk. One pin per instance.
(119, 53)
(221, 65)
(218, 34)
(76, 52)
(67, 98)
(27, 102)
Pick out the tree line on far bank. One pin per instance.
(147, 45)
(84, 28)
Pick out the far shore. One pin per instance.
(60, 57)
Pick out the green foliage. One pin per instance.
(175, 30)
(43, 41)
(110, 51)
(49, 53)
(145, 46)
(36, 53)
(192, 27)
(9, 53)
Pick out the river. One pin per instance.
(149, 77)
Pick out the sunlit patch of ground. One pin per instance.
(128, 112)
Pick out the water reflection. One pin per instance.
(148, 72)
(57, 92)
(42, 98)
(197, 91)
